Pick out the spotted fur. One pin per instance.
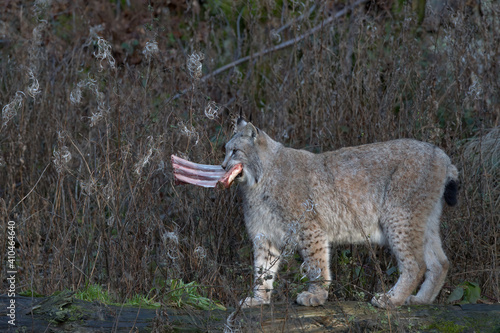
(388, 193)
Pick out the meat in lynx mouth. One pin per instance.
(204, 175)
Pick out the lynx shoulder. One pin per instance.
(389, 193)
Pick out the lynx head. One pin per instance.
(245, 147)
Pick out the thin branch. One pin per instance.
(283, 45)
(27, 195)
(300, 18)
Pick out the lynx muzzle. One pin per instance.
(204, 175)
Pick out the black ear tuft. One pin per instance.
(240, 125)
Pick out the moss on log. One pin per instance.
(63, 313)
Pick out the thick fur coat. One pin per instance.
(388, 193)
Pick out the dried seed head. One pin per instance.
(111, 220)
(61, 136)
(93, 31)
(171, 241)
(10, 110)
(96, 117)
(104, 52)
(150, 50)
(145, 160)
(212, 110)
(76, 95)
(37, 33)
(200, 252)
(91, 84)
(34, 88)
(194, 65)
(142, 162)
(475, 90)
(61, 158)
(36, 50)
(90, 186)
(107, 191)
(171, 236)
(40, 5)
(189, 131)
(275, 36)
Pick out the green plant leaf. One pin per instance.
(456, 294)
(472, 292)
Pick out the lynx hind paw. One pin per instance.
(307, 298)
(253, 301)
(415, 300)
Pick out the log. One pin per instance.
(63, 313)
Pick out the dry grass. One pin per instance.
(89, 122)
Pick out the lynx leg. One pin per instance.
(435, 260)
(267, 259)
(405, 237)
(315, 250)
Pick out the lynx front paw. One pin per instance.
(382, 301)
(253, 301)
(312, 299)
(385, 301)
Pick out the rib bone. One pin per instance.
(204, 175)
(186, 172)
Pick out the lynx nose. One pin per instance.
(224, 164)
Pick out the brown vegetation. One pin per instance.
(92, 112)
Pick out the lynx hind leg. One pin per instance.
(435, 260)
(266, 261)
(315, 250)
(405, 237)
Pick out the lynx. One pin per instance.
(388, 193)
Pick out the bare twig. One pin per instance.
(27, 195)
(300, 18)
(283, 45)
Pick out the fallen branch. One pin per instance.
(283, 45)
(63, 313)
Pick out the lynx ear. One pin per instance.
(246, 128)
(250, 130)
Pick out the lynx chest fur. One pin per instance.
(388, 193)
